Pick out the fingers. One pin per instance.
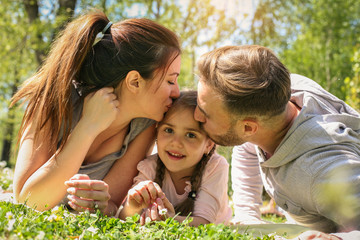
(145, 192)
(99, 195)
(143, 217)
(168, 206)
(80, 204)
(150, 214)
(100, 109)
(86, 194)
(154, 214)
(159, 191)
(87, 183)
(79, 177)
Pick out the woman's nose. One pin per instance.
(175, 92)
(199, 116)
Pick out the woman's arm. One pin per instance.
(118, 181)
(121, 175)
(39, 175)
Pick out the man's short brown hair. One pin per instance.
(250, 79)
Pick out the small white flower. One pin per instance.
(7, 171)
(147, 220)
(163, 211)
(51, 218)
(41, 235)
(92, 229)
(55, 209)
(10, 225)
(2, 164)
(9, 215)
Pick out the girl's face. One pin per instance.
(181, 143)
(160, 93)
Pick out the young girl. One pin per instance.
(91, 112)
(185, 173)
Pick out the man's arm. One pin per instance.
(246, 184)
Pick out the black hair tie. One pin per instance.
(192, 195)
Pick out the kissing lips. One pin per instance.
(175, 156)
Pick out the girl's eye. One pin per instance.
(168, 130)
(190, 135)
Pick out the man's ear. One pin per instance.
(133, 80)
(250, 127)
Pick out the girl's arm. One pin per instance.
(39, 175)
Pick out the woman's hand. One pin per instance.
(87, 194)
(100, 109)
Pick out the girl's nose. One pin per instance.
(177, 141)
(199, 116)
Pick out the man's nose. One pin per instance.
(198, 115)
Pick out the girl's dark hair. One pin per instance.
(187, 100)
(133, 44)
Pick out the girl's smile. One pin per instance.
(181, 142)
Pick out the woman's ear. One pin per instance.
(133, 80)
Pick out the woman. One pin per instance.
(89, 112)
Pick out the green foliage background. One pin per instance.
(316, 38)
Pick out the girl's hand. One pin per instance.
(144, 194)
(100, 109)
(159, 210)
(87, 194)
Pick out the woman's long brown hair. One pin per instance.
(133, 44)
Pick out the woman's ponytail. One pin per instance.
(48, 92)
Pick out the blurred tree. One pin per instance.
(352, 85)
(31, 25)
(326, 38)
(25, 39)
(314, 38)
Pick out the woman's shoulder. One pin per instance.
(139, 124)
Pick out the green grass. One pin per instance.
(18, 221)
(21, 222)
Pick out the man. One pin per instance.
(299, 141)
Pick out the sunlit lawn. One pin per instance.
(20, 222)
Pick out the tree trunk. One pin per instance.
(9, 129)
